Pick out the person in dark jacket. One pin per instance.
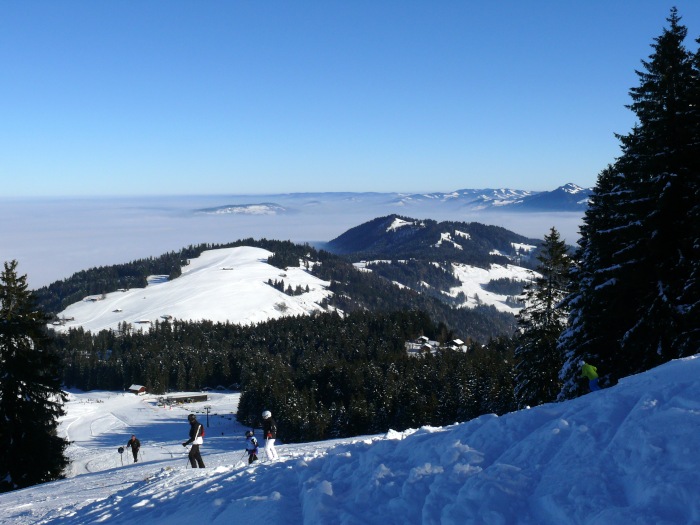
(196, 438)
(134, 444)
(270, 433)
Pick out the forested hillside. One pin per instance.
(325, 376)
(402, 238)
(353, 290)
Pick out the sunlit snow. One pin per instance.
(626, 454)
(228, 284)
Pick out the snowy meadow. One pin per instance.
(624, 455)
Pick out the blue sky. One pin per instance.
(147, 98)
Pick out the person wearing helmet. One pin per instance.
(591, 373)
(251, 446)
(196, 438)
(270, 433)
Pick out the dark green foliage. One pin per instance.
(637, 302)
(354, 290)
(31, 399)
(415, 273)
(542, 320)
(504, 286)
(322, 376)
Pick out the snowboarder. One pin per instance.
(591, 372)
(270, 433)
(134, 444)
(251, 446)
(196, 438)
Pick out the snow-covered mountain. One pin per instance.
(404, 237)
(567, 198)
(234, 285)
(626, 454)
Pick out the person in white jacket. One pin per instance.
(251, 446)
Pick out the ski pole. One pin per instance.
(235, 465)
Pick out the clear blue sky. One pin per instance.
(228, 97)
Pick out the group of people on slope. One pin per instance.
(197, 439)
(588, 371)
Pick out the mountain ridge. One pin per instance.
(457, 272)
(567, 198)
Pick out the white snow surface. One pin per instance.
(228, 284)
(624, 455)
(231, 285)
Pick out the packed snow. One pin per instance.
(227, 284)
(626, 454)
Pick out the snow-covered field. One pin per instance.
(231, 284)
(228, 284)
(624, 455)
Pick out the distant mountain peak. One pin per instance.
(570, 187)
(263, 208)
(569, 197)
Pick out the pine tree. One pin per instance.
(689, 299)
(665, 152)
(31, 399)
(591, 331)
(542, 320)
(635, 306)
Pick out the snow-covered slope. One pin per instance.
(474, 283)
(221, 285)
(231, 285)
(627, 454)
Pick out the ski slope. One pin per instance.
(624, 455)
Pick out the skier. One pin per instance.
(134, 444)
(251, 446)
(196, 438)
(591, 372)
(270, 433)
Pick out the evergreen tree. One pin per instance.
(595, 290)
(537, 358)
(31, 399)
(635, 306)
